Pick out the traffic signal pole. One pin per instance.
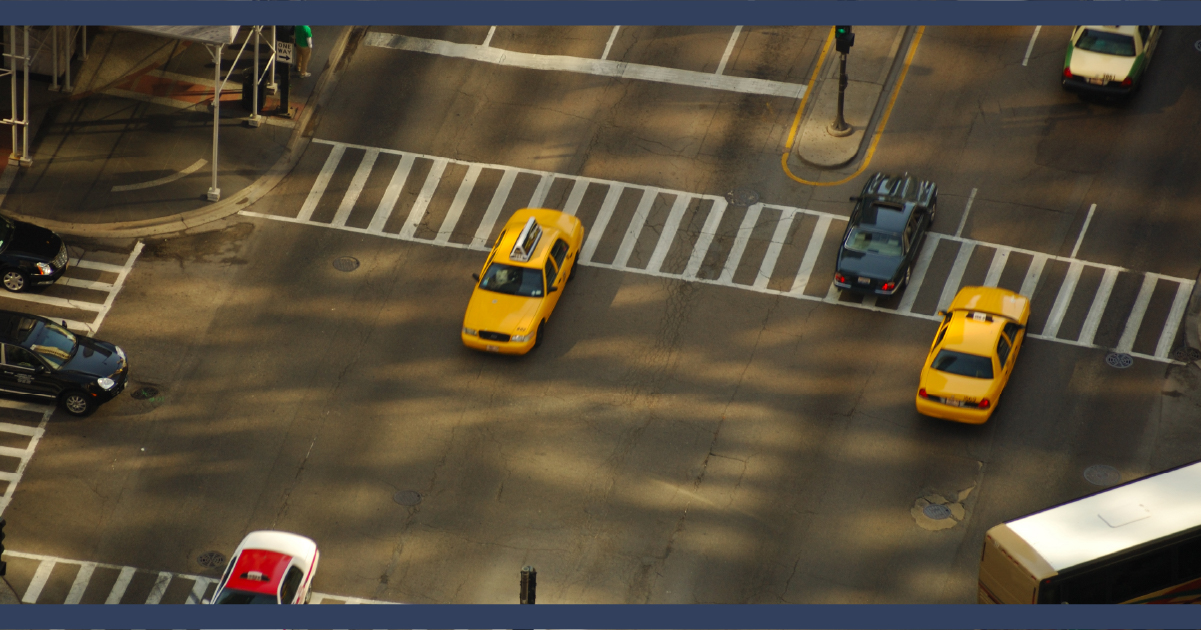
(843, 40)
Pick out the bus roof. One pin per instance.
(1121, 517)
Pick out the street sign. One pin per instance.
(283, 52)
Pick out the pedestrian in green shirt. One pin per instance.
(304, 50)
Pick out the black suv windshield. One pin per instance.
(234, 596)
(972, 365)
(513, 280)
(872, 242)
(53, 342)
(1106, 43)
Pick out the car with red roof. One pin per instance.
(269, 567)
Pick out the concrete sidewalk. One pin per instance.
(7, 594)
(128, 153)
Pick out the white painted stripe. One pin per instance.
(1089, 331)
(609, 44)
(1179, 303)
(725, 57)
(417, 212)
(98, 266)
(117, 284)
(488, 39)
(539, 196)
(198, 589)
(160, 587)
(832, 294)
(19, 453)
(577, 195)
(999, 258)
(670, 227)
(703, 240)
(122, 583)
(460, 201)
(749, 220)
(86, 284)
(22, 405)
(497, 204)
(951, 288)
(966, 210)
(1030, 283)
(391, 194)
(75, 326)
(53, 301)
(7, 427)
(869, 300)
(75, 595)
(809, 261)
(164, 180)
(9, 476)
(1084, 228)
(1135, 321)
(768, 266)
(355, 189)
(1062, 299)
(602, 222)
(38, 582)
(598, 67)
(649, 195)
(919, 273)
(1030, 46)
(318, 597)
(319, 184)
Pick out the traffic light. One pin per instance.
(843, 39)
(3, 564)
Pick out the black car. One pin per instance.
(29, 255)
(41, 358)
(885, 233)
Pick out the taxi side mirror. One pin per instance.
(552, 289)
(942, 313)
(476, 276)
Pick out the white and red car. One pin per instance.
(269, 567)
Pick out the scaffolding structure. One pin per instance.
(19, 61)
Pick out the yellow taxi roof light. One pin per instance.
(527, 240)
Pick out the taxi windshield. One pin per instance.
(234, 596)
(872, 242)
(53, 342)
(972, 365)
(512, 280)
(1106, 43)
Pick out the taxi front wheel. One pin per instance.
(538, 335)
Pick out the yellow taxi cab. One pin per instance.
(973, 354)
(533, 258)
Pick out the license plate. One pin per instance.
(493, 348)
(863, 280)
(1096, 81)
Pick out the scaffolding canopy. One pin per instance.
(216, 35)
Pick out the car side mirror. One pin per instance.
(942, 313)
(476, 276)
(552, 289)
(64, 323)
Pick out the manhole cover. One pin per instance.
(936, 511)
(211, 559)
(1119, 360)
(145, 393)
(1185, 354)
(1102, 475)
(407, 497)
(742, 197)
(346, 263)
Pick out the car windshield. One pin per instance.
(972, 365)
(53, 342)
(872, 242)
(1106, 43)
(512, 280)
(234, 596)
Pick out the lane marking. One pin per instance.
(120, 282)
(323, 177)
(601, 222)
(1000, 257)
(1175, 315)
(1033, 273)
(86, 284)
(649, 195)
(417, 212)
(951, 288)
(38, 582)
(456, 206)
(356, 188)
(577, 195)
(966, 210)
(919, 273)
(197, 165)
(1135, 321)
(809, 261)
(597, 67)
(539, 196)
(494, 207)
(670, 227)
(160, 587)
(749, 221)
(488, 39)
(98, 266)
(1062, 299)
(1084, 228)
(1030, 46)
(81, 583)
(705, 238)
(122, 583)
(725, 56)
(387, 203)
(609, 44)
(768, 266)
(198, 589)
(1089, 331)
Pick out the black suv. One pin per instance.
(885, 234)
(41, 358)
(29, 255)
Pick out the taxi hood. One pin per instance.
(501, 312)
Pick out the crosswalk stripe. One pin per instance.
(649, 195)
(539, 196)
(1033, 273)
(951, 288)
(999, 258)
(494, 207)
(456, 206)
(20, 405)
(1062, 299)
(919, 274)
(577, 195)
(1175, 315)
(749, 220)
(9, 476)
(1135, 320)
(391, 194)
(198, 588)
(98, 266)
(323, 177)
(601, 222)
(75, 595)
(122, 583)
(356, 188)
(705, 238)
(38, 582)
(811, 251)
(1100, 299)
(8, 451)
(417, 212)
(768, 266)
(86, 284)
(160, 587)
(669, 232)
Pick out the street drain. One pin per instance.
(346, 263)
(1185, 354)
(211, 559)
(1119, 360)
(407, 497)
(1102, 475)
(936, 511)
(145, 393)
(742, 197)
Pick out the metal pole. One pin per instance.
(84, 28)
(214, 193)
(25, 159)
(274, 39)
(54, 53)
(255, 120)
(11, 48)
(70, 41)
(840, 127)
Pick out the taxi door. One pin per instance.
(554, 287)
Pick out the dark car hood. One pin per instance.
(34, 240)
(854, 264)
(94, 357)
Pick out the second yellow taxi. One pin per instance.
(973, 354)
(533, 258)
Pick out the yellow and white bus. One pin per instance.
(1136, 543)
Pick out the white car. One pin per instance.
(1108, 60)
(269, 567)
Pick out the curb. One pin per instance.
(8, 595)
(301, 135)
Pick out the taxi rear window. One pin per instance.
(963, 364)
(1106, 43)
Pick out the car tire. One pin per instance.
(538, 335)
(77, 403)
(309, 595)
(571, 276)
(15, 280)
(933, 211)
(908, 273)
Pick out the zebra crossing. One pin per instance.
(39, 579)
(763, 247)
(22, 425)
